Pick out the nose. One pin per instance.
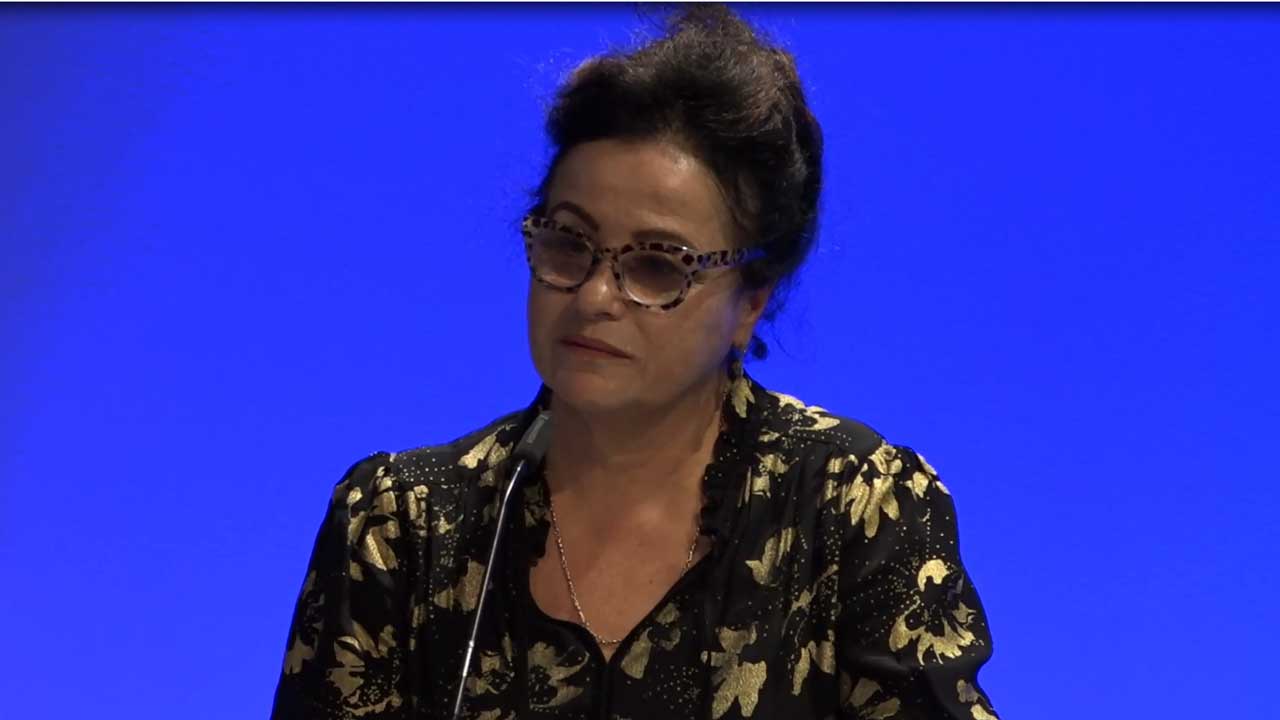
(600, 294)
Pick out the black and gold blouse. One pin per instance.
(833, 589)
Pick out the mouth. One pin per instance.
(591, 346)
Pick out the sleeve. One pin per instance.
(911, 633)
(345, 651)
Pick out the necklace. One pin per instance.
(568, 578)
(564, 564)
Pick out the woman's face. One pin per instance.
(617, 192)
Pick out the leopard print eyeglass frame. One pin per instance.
(661, 274)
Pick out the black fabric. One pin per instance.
(833, 588)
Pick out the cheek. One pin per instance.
(693, 341)
(547, 312)
(720, 318)
(540, 312)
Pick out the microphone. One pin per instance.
(527, 456)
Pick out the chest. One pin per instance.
(734, 637)
(713, 645)
(609, 587)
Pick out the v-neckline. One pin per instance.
(586, 639)
(743, 412)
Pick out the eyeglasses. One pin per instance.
(654, 275)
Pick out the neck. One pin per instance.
(637, 454)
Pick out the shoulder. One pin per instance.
(870, 489)
(813, 427)
(433, 466)
(476, 450)
(855, 451)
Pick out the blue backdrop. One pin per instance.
(241, 247)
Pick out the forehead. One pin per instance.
(631, 185)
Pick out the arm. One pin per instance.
(346, 646)
(911, 633)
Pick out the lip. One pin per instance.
(580, 341)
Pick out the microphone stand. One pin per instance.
(527, 456)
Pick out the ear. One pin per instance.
(751, 305)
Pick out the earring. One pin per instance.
(736, 355)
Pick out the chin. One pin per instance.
(589, 391)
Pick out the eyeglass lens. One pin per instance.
(563, 260)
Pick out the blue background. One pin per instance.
(242, 247)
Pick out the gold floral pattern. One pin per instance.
(303, 646)
(942, 630)
(776, 548)
(735, 680)
(834, 588)
(464, 593)
(550, 675)
(663, 634)
(871, 494)
(978, 708)
(364, 669)
(866, 699)
(820, 653)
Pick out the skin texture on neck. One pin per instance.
(628, 457)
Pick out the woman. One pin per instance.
(693, 545)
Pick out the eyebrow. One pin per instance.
(651, 234)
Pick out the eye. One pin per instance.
(653, 277)
(561, 244)
(558, 257)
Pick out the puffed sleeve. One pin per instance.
(911, 632)
(345, 652)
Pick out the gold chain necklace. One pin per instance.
(568, 578)
(564, 564)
